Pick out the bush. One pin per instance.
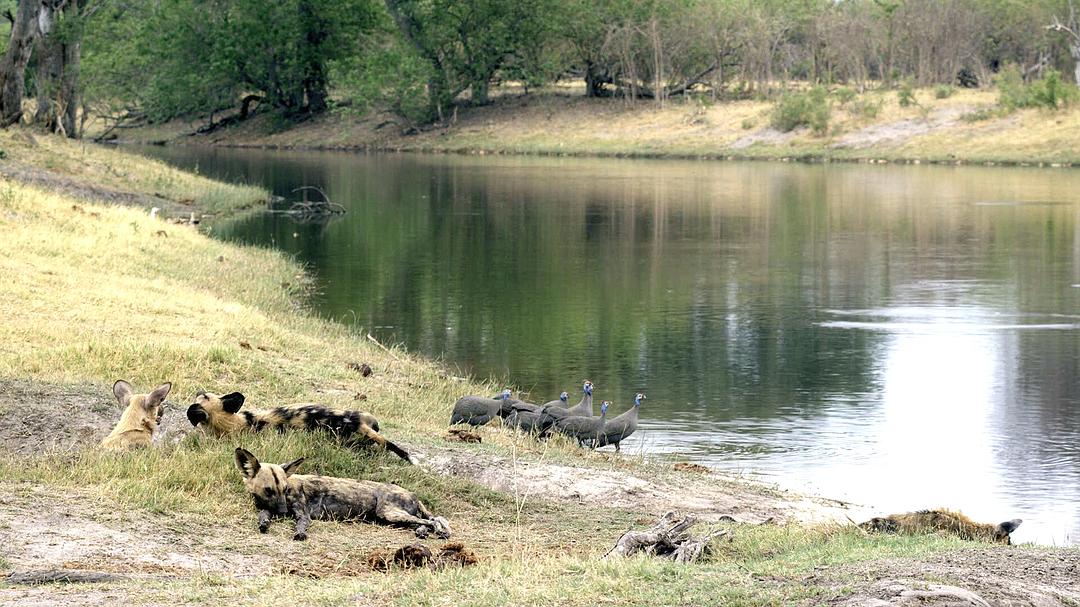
(844, 95)
(905, 95)
(811, 109)
(866, 108)
(1012, 93)
(943, 91)
(1051, 92)
(1048, 92)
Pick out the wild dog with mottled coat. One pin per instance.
(141, 416)
(221, 415)
(278, 492)
(947, 521)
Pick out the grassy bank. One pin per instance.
(966, 126)
(95, 292)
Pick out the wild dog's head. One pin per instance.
(268, 484)
(141, 411)
(218, 414)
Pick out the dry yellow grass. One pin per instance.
(561, 121)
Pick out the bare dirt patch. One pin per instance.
(707, 496)
(982, 577)
(900, 131)
(766, 136)
(41, 416)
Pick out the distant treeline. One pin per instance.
(160, 59)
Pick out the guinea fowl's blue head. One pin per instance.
(587, 387)
(564, 397)
(505, 395)
(603, 407)
(638, 398)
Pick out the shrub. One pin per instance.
(1048, 92)
(844, 95)
(1012, 93)
(1051, 92)
(943, 91)
(866, 108)
(811, 109)
(905, 95)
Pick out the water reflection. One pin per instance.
(902, 336)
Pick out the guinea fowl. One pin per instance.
(563, 402)
(553, 412)
(477, 410)
(584, 429)
(621, 426)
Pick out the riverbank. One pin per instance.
(964, 127)
(98, 291)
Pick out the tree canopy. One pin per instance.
(171, 58)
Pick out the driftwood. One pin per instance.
(668, 539)
(312, 208)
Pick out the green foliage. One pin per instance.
(867, 108)
(905, 94)
(943, 91)
(844, 95)
(810, 109)
(1049, 92)
(178, 57)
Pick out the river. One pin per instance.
(901, 336)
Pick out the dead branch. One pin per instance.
(312, 208)
(669, 539)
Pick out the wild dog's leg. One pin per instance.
(394, 513)
(303, 519)
(264, 521)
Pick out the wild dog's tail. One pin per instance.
(380, 440)
(398, 451)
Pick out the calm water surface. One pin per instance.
(905, 337)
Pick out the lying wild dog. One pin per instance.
(141, 416)
(929, 521)
(279, 492)
(221, 415)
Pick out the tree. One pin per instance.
(24, 30)
(1072, 31)
(59, 58)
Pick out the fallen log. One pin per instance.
(668, 539)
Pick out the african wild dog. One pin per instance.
(221, 415)
(279, 492)
(929, 521)
(141, 416)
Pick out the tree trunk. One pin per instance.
(59, 57)
(480, 91)
(315, 80)
(1074, 50)
(13, 64)
(595, 78)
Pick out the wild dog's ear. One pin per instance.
(158, 395)
(122, 391)
(1009, 526)
(290, 467)
(197, 415)
(247, 463)
(232, 402)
